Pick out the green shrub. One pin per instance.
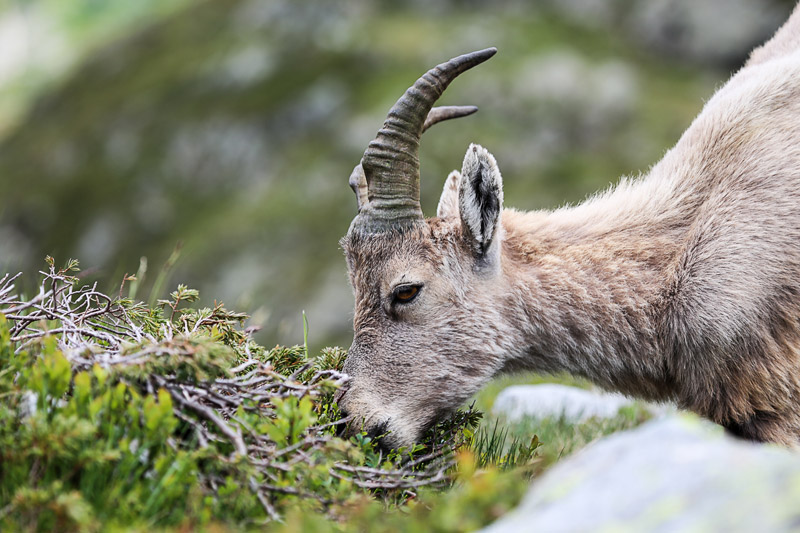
(115, 415)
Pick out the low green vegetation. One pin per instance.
(559, 437)
(119, 416)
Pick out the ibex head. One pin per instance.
(424, 289)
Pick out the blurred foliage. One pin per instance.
(231, 126)
(478, 498)
(43, 39)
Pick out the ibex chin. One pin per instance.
(681, 285)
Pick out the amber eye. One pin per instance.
(405, 293)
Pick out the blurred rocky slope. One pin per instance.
(232, 126)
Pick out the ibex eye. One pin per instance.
(405, 293)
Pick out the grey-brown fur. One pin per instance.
(681, 285)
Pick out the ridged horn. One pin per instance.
(391, 161)
(447, 112)
(358, 181)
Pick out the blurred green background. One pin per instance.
(231, 126)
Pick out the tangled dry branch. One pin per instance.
(215, 403)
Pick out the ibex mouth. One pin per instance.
(349, 425)
(343, 425)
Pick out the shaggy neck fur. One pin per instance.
(587, 294)
(683, 284)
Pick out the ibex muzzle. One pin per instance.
(681, 285)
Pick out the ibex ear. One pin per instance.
(448, 202)
(480, 198)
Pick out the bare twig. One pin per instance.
(120, 335)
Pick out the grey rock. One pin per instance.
(555, 401)
(673, 474)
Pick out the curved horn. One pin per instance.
(446, 112)
(358, 181)
(391, 162)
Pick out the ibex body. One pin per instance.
(681, 285)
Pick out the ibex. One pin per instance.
(681, 285)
